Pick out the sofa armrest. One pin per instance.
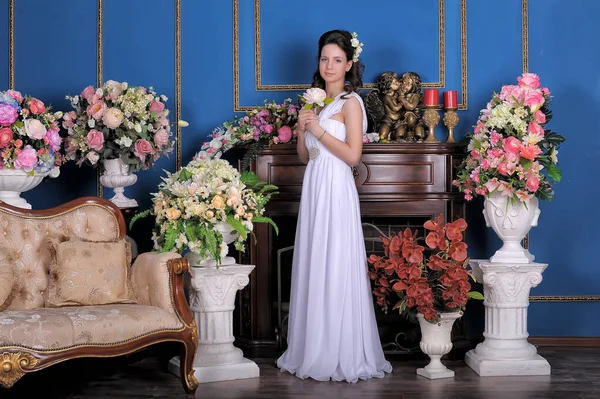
(157, 280)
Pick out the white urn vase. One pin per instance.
(13, 182)
(511, 222)
(117, 176)
(229, 235)
(436, 342)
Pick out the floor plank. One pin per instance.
(575, 374)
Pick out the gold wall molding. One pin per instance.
(258, 66)
(565, 298)
(525, 34)
(11, 44)
(177, 83)
(99, 71)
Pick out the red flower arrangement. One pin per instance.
(425, 282)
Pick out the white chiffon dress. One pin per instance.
(332, 332)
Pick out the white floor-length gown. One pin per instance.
(332, 332)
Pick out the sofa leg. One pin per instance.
(186, 361)
(13, 365)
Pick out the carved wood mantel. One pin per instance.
(393, 180)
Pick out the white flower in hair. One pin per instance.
(358, 46)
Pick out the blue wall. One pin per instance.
(56, 53)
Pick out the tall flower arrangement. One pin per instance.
(428, 281)
(510, 150)
(191, 201)
(29, 138)
(118, 121)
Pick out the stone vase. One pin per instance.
(117, 176)
(511, 222)
(436, 342)
(229, 235)
(13, 182)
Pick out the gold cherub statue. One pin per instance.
(410, 128)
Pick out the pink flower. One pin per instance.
(546, 92)
(495, 153)
(267, 129)
(485, 164)
(540, 117)
(114, 88)
(511, 144)
(534, 99)
(535, 128)
(112, 118)
(284, 133)
(36, 106)
(96, 110)
(479, 127)
(503, 169)
(529, 80)
(523, 195)
(69, 119)
(15, 94)
(530, 151)
(495, 137)
(532, 184)
(88, 92)
(481, 191)
(35, 129)
(26, 159)
(54, 139)
(156, 106)
(95, 139)
(6, 135)
(143, 147)
(161, 138)
(492, 184)
(162, 121)
(8, 115)
(18, 143)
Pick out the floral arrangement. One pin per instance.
(118, 121)
(191, 201)
(510, 150)
(29, 138)
(260, 127)
(425, 282)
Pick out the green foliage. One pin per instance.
(139, 216)
(264, 219)
(475, 295)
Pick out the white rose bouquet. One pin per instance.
(191, 201)
(315, 97)
(118, 121)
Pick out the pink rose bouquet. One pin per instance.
(118, 121)
(29, 138)
(260, 127)
(510, 151)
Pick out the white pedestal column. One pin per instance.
(212, 299)
(505, 350)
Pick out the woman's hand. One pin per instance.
(305, 118)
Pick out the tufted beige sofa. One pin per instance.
(33, 336)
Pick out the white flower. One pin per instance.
(355, 42)
(315, 95)
(124, 141)
(91, 122)
(554, 155)
(138, 127)
(182, 123)
(93, 157)
(216, 144)
(99, 92)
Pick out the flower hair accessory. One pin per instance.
(358, 46)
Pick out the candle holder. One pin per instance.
(450, 120)
(431, 119)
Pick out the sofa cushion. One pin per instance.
(23, 245)
(89, 273)
(7, 286)
(59, 328)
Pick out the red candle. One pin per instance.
(450, 99)
(431, 97)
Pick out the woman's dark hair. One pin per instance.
(342, 39)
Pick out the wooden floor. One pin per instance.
(575, 374)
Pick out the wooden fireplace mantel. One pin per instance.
(392, 180)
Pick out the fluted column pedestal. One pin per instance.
(505, 350)
(212, 299)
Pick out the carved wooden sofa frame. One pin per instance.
(17, 360)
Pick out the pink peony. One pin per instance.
(8, 115)
(285, 134)
(143, 147)
(530, 151)
(535, 128)
(95, 139)
(6, 135)
(15, 94)
(534, 99)
(161, 138)
(511, 144)
(156, 106)
(54, 139)
(26, 159)
(529, 80)
(540, 117)
(96, 110)
(533, 184)
(36, 106)
(35, 129)
(88, 92)
(267, 129)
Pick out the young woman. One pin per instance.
(332, 328)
